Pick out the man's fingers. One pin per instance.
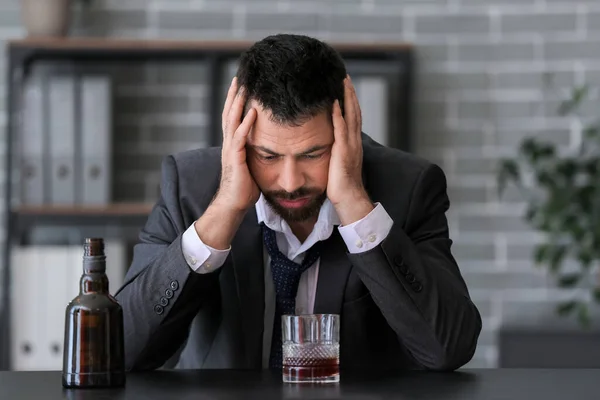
(241, 133)
(339, 124)
(235, 113)
(228, 102)
(357, 112)
(349, 105)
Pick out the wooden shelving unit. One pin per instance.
(23, 53)
(129, 45)
(113, 214)
(117, 209)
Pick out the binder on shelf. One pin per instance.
(230, 69)
(62, 285)
(372, 96)
(61, 106)
(116, 263)
(27, 292)
(96, 140)
(32, 143)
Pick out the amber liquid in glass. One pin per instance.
(94, 342)
(316, 369)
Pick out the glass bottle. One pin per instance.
(94, 342)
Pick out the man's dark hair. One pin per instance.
(295, 77)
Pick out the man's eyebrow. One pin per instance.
(313, 149)
(305, 152)
(265, 150)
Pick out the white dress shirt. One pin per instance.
(360, 236)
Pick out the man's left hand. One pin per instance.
(345, 188)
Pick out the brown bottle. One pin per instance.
(94, 342)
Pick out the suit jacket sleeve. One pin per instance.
(161, 294)
(416, 283)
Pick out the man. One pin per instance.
(298, 211)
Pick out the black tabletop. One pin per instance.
(514, 384)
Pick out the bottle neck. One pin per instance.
(94, 279)
(93, 282)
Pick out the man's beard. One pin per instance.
(301, 214)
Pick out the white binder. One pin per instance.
(28, 289)
(116, 264)
(32, 142)
(60, 289)
(61, 107)
(372, 96)
(96, 135)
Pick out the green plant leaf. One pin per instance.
(541, 253)
(597, 295)
(508, 171)
(531, 149)
(566, 168)
(585, 195)
(591, 132)
(585, 257)
(546, 150)
(546, 178)
(577, 96)
(531, 212)
(591, 165)
(583, 315)
(569, 280)
(556, 257)
(566, 308)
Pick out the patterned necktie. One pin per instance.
(286, 277)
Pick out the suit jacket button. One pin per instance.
(164, 301)
(403, 269)
(169, 294)
(417, 287)
(158, 309)
(410, 277)
(399, 261)
(174, 285)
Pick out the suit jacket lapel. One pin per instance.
(334, 268)
(247, 253)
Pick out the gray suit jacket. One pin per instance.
(403, 304)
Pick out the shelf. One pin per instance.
(122, 214)
(111, 209)
(163, 44)
(22, 52)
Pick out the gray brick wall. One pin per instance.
(481, 65)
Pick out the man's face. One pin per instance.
(290, 164)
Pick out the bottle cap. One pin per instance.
(94, 260)
(94, 247)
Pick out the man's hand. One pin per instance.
(237, 190)
(345, 187)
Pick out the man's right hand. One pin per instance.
(237, 190)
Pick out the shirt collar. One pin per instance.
(326, 221)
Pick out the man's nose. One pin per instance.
(291, 177)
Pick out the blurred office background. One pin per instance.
(480, 86)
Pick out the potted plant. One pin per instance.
(46, 18)
(563, 202)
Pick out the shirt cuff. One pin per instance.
(200, 257)
(367, 233)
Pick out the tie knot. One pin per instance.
(286, 273)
